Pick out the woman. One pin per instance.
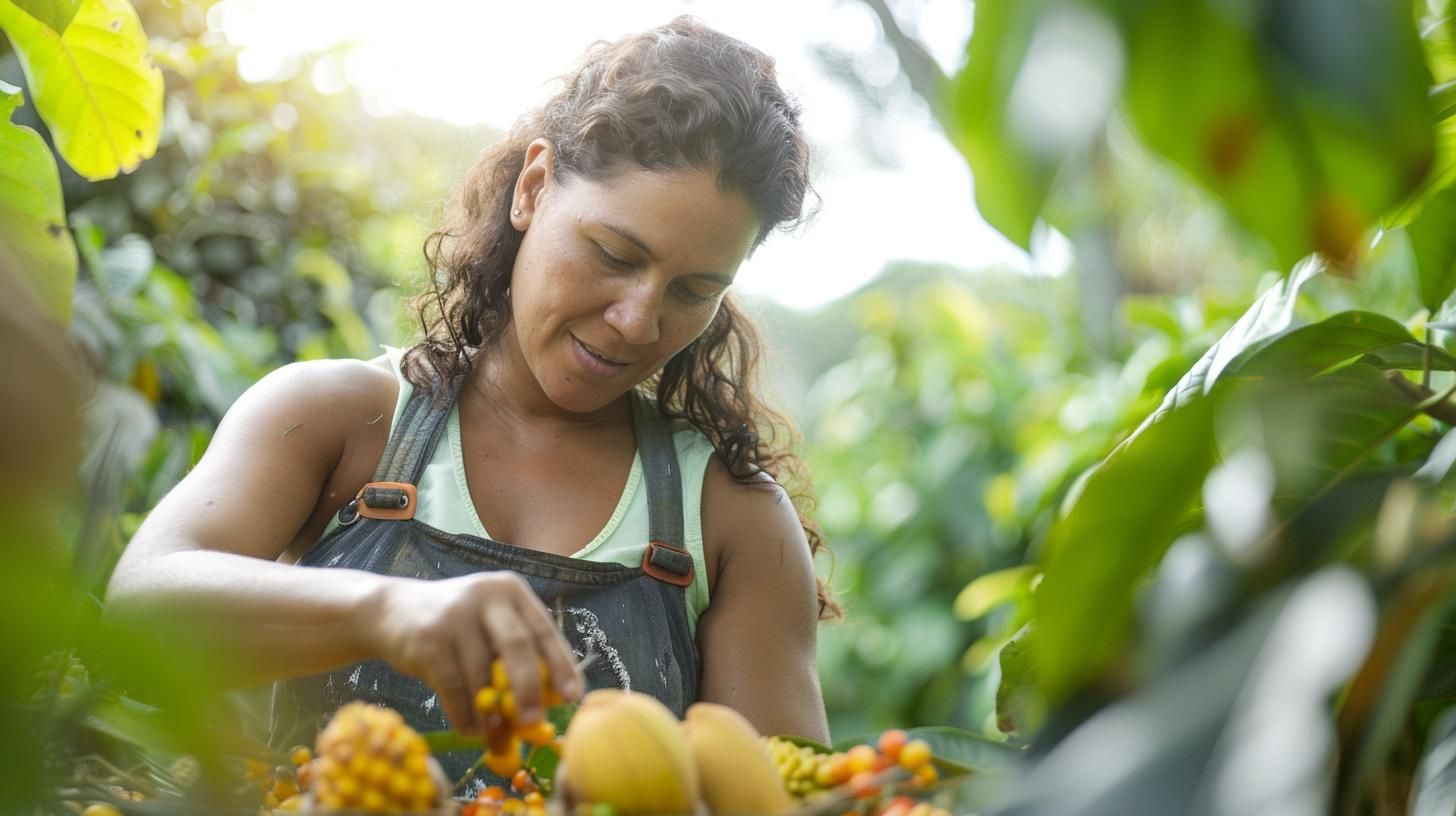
(583, 378)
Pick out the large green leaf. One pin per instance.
(34, 241)
(55, 14)
(1127, 514)
(1309, 119)
(95, 85)
(1316, 432)
(1270, 315)
(1011, 182)
(1307, 350)
(1006, 117)
(1433, 240)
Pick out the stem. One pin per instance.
(1427, 401)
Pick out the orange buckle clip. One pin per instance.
(403, 511)
(668, 564)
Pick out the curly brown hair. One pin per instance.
(677, 97)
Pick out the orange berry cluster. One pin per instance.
(494, 801)
(370, 760)
(861, 768)
(495, 707)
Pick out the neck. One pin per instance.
(502, 386)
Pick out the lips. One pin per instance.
(594, 363)
(595, 353)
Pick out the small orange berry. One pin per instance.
(891, 742)
(521, 782)
(503, 765)
(861, 758)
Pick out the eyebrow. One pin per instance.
(628, 235)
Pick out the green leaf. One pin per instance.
(1434, 791)
(95, 85)
(1441, 177)
(1443, 98)
(962, 751)
(34, 241)
(1127, 514)
(441, 742)
(993, 589)
(1308, 119)
(54, 14)
(1306, 351)
(1013, 169)
(1270, 314)
(1433, 241)
(1019, 709)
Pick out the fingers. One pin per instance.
(565, 677)
(448, 681)
(519, 654)
(475, 657)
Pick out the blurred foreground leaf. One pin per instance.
(34, 242)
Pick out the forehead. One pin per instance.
(682, 215)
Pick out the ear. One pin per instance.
(534, 181)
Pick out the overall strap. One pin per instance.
(417, 432)
(391, 494)
(665, 559)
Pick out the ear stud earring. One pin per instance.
(516, 212)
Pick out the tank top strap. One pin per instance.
(418, 431)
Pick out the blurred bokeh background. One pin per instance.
(951, 384)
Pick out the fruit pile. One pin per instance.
(862, 772)
(627, 752)
(495, 707)
(370, 760)
(494, 801)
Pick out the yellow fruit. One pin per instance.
(736, 774)
(100, 810)
(626, 750)
(370, 760)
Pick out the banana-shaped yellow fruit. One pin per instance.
(626, 750)
(737, 776)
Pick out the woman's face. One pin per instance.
(615, 276)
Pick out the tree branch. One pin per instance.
(926, 79)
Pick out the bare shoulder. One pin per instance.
(751, 527)
(292, 443)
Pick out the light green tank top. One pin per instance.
(443, 499)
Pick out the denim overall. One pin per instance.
(633, 620)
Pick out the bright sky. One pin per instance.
(485, 63)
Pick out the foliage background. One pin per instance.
(948, 413)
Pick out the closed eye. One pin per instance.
(609, 259)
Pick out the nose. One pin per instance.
(635, 313)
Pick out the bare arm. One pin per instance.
(758, 634)
(202, 568)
